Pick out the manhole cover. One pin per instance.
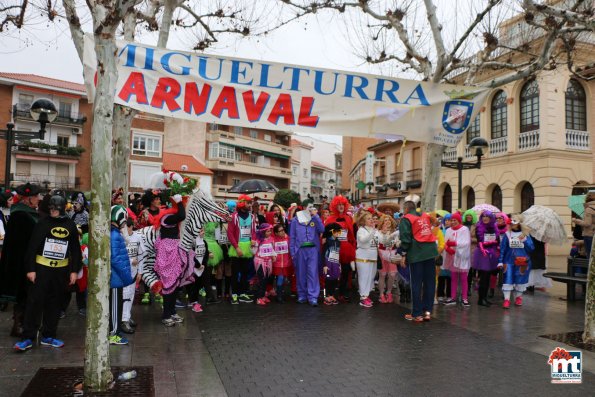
(60, 381)
(574, 339)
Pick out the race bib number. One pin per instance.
(266, 250)
(281, 247)
(516, 243)
(201, 250)
(333, 256)
(220, 236)
(374, 242)
(55, 249)
(245, 232)
(489, 237)
(132, 249)
(343, 235)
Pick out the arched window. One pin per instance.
(527, 197)
(497, 197)
(447, 199)
(499, 116)
(530, 106)
(473, 130)
(470, 198)
(576, 113)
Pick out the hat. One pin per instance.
(328, 229)
(27, 190)
(119, 215)
(457, 216)
(78, 197)
(391, 206)
(148, 197)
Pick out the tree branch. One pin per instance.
(441, 58)
(74, 23)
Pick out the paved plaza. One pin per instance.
(344, 350)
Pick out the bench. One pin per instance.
(576, 273)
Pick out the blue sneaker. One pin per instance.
(24, 345)
(179, 304)
(52, 342)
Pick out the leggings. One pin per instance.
(457, 278)
(345, 273)
(240, 267)
(484, 283)
(115, 300)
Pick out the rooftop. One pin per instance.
(295, 142)
(320, 165)
(33, 79)
(174, 162)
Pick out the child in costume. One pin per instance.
(388, 240)
(201, 257)
(515, 249)
(264, 255)
(134, 247)
(443, 289)
(282, 265)
(457, 258)
(331, 266)
(486, 253)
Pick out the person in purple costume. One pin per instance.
(486, 254)
(304, 247)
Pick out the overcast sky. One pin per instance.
(315, 41)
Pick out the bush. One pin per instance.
(285, 197)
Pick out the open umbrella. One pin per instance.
(442, 212)
(479, 208)
(545, 224)
(254, 186)
(576, 204)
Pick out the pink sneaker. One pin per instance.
(261, 302)
(383, 299)
(197, 308)
(518, 301)
(365, 302)
(389, 298)
(506, 304)
(266, 300)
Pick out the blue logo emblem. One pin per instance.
(456, 116)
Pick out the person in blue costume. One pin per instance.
(515, 247)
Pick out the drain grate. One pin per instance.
(574, 339)
(59, 381)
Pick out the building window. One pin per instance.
(63, 140)
(217, 150)
(529, 104)
(253, 134)
(470, 198)
(527, 197)
(305, 172)
(238, 156)
(213, 127)
(499, 116)
(576, 113)
(140, 174)
(447, 199)
(25, 101)
(237, 131)
(267, 138)
(146, 145)
(65, 109)
(235, 181)
(254, 159)
(473, 130)
(305, 191)
(23, 168)
(497, 197)
(294, 170)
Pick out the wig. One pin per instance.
(393, 223)
(473, 216)
(490, 227)
(335, 203)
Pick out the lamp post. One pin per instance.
(43, 111)
(477, 143)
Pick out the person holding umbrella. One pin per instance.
(588, 223)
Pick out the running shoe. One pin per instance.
(449, 302)
(146, 299)
(506, 304)
(180, 304)
(245, 298)
(158, 298)
(177, 318)
(23, 345)
(466, 303)
(117, 340)
(518, 301)
(168, 322)
(197, 308)
(261, 302)
(365, 302)
(202, 292)
(234, 299)
(51, 342)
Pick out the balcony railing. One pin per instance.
(396, 177)
(468, 152)
(577, 140)
(22, 111)
(450, 154)
(47, 181)
(498, 146)
(381, 180)
(529, 140)
(414, 178)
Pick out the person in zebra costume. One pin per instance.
(200, 209)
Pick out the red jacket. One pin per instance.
(233, 229)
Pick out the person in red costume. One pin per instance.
(339, 215)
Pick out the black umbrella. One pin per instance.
(254, 186)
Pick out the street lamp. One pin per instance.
(481, 146)
(43, 111)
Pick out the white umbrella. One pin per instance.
(545, 224)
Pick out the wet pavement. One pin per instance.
(291, 349)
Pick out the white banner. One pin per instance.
(369, 168)
(276, 96)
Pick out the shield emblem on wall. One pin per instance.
(456, 116)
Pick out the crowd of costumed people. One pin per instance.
(249, 250)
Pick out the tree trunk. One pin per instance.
(431, 176)
(589, 331)
(97, 364)
(121, 132)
